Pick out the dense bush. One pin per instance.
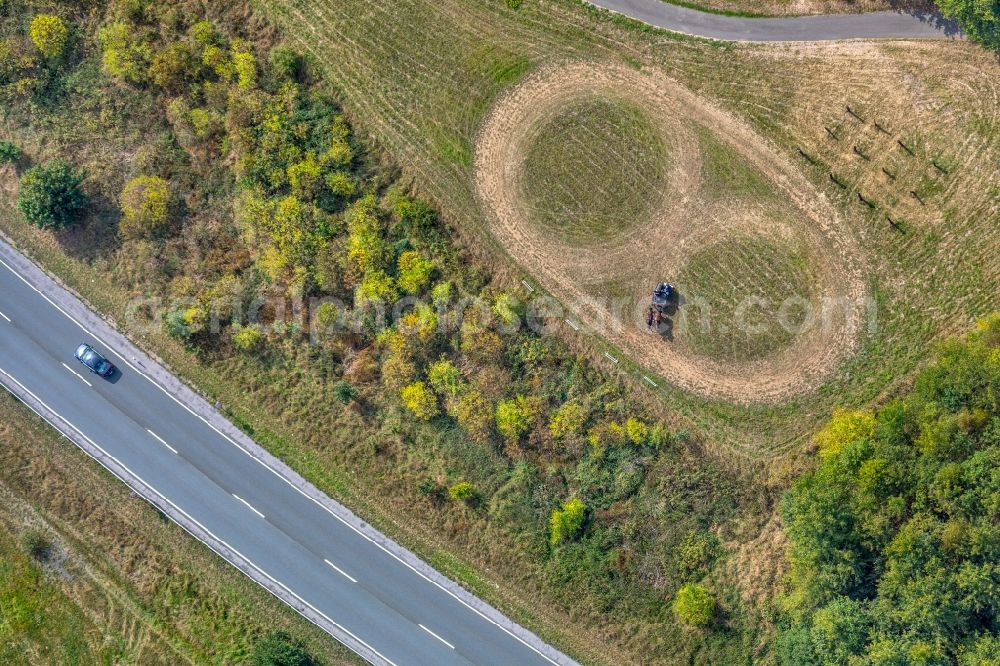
(247, 338)
(145, 204)
(280, 649)
(126, 55)
(463, 491)
(286, 61)
(51, 195)
(50, 35)
(420, 400)
(895, 544)
(566, 523)
(9, 152)
(694, 605)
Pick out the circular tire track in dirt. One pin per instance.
(678, 229)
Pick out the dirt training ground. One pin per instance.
(688, 218)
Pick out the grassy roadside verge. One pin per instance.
(487, 573)
(110, 579)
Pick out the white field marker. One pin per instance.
(5, 317)
(248, 505)
(572, 325)
(341, 571)
(651, 382)
(611, 358)
(160, 440)
(436, 636)
(82, 379)
(527, 286)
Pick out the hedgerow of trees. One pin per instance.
(895, 537)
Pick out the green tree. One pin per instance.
(636, 430)
(445, 378)
(50, 35)
(567, 420)
(414, 272)
(51, 195)
(247, 338)
(515, 417)
(420, 400)
(474, 413)
(694, 605)
(306, 177)
(125, 53)
(286, 61)
(565, 523)
(145, 204)
(244, 64)
(280, 649)
(980, 19)
(844, 427)
(174, 66)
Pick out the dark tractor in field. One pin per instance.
(662, 296)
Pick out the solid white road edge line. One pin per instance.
(341, 571)
(78, 375)
(160, 440)
(282, 477)
(248, 505)
(436, 636)
(184, 513)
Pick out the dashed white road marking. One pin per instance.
(161, 440)
(278, 474)
(248, 505)
(82, 378)
(436, 636)
(341, 571)
(194, 521)
(5, 317)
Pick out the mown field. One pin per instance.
(677, 489)
(424, 104)
(90, 574)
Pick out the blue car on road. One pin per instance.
(95, 362)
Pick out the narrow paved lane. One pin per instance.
(872, 25)
(176, 451)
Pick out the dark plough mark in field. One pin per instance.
(916, 196)
(865, 201)
(855, 115)
(905, 147)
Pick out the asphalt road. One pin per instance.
(872, 25)
(176, 451)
